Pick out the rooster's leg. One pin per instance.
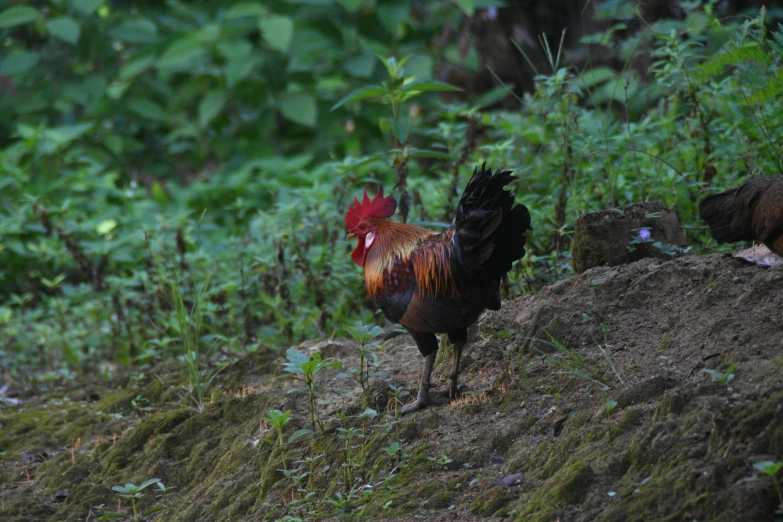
(458, 339)
(428, 346)
(423, 399)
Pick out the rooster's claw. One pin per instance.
(419, 404)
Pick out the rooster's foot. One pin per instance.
(452, 391)
(421, 402)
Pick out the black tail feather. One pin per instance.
(730, 213)
(489, 231)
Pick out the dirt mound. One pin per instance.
(639, 392)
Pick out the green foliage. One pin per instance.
(189, 324)
(722, 377)
(363, 334)
(306, 369)
(133, 493)
(771, 468)
(122, 125)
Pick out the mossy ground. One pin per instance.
(676, 446)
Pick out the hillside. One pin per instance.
(615, 420)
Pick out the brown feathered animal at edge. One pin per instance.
(440, 283)
(751, 212)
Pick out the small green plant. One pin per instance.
(440, 460)
(306, 368)
(611, 406)
(724, 377)
(771, 469)
(346, 435)
(395, 92)
(363, 334)
(133, 493)
(278, 419)
(189, 324)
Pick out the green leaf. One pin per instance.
(147, 483)
(361, 93)
(64, 28)
(18, 62)
(769, 467)
(139, 30)
(238, 69)
(86, 7)
(18, 15)
(368, 413)
(244, 10)
(278, 31)
(467, 6)
(181, 54)
(147, 109)
(120, 489)
(135, 67)
(68, 133)
(296, 357)
(159, 194)
(428, 86)
(210, 106)
(393, 67)
(434, 154)
(106, 226)
(300, 433)
(108, 516)
(235, 49)
(299, 107)
(401, 127)
(351, 5)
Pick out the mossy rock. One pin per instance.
(568, 487)
(440, 500)
(490, 502)
(604, 237)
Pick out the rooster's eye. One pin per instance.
(362, 226)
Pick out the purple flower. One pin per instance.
(492, 13)
(644, 234)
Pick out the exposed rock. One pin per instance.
(626, 234)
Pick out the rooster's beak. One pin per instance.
(350, 236)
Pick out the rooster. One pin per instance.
(440, 283)
(753, 211)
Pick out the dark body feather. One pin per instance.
(753, 211)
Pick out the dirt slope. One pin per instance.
(626, 427)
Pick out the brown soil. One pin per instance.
(615, 419)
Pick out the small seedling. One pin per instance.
(300, 364)
(725, 377)
(278, 420)
(133, 492)
(771, 468)
(363, 334)
(611, 406)
(441, 460)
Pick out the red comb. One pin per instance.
(378, 207)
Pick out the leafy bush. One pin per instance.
(202, 136)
